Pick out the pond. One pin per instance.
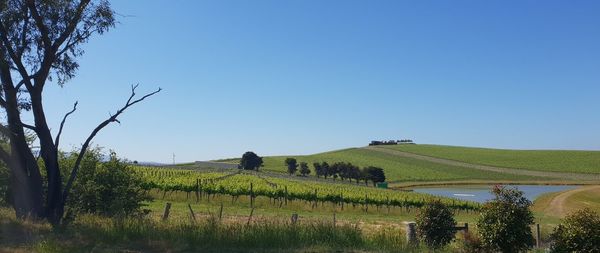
(481, 193)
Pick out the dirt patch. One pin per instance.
(558, 206)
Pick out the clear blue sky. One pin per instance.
(300, 77)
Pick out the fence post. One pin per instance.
(197, 190)
(166, 212)
(251, 196)
(411, 233)
(221, 212)
(192, 212)
(538, 236)
(250, 217)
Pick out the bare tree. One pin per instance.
(40, 42)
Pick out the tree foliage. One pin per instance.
(436, 224)
(578, 232)
(504, 222)
(106, 188)
(250, 161)
(304, 170)
(292, 165)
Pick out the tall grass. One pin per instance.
(99, 234)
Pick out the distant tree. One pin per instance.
(578, 232)
(304, 171)
(250, 161)
(292, 165)
(375, 174)
(318, 169)
(325, 169)
(436, 224)
(334, 170)
(503, 224)
(355, 173)
(364, 175)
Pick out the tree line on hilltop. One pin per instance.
(341, 170)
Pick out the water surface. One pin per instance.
(481, 193)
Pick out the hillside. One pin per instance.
(430, 163)
(540, 160)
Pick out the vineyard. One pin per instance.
(280, 190)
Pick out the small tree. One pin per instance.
(504, 222)
(105, 188)
(436, 224)
(304, 169)
(318, 169)
(578, 232)
(375, 174)
(292, 165)
(250, 161)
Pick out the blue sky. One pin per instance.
(300, 77)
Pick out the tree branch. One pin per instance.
(72, 25)
(30, 127)
(62, 124)
(112, 118)
(16, 60)
(39, 22)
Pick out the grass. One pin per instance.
(540, 160)
(90, 233)
(398, 169)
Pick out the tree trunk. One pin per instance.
(27, 194)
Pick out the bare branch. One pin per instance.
(87, 142)
(62, 124)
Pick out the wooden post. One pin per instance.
(411, 233)
(334, 219)
(166, 212)
(192, 212)
(250, 217)
(286, 196)
(294, 218)
(197, 190)
(251, 196)
(221, 212)
(538, 237)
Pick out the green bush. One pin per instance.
(578, 232)
(504, 222)
(106, 188)
(436, 225)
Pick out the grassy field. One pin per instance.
(397, 168)
(540, 160)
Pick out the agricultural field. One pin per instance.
(540, 160)
(280, 190)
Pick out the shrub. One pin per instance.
(578, 232)
(469, 243)
(105, 188)
(504, 222)
(435, 225)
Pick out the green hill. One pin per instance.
(540, 160)
(397, 168)
(430, 163)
